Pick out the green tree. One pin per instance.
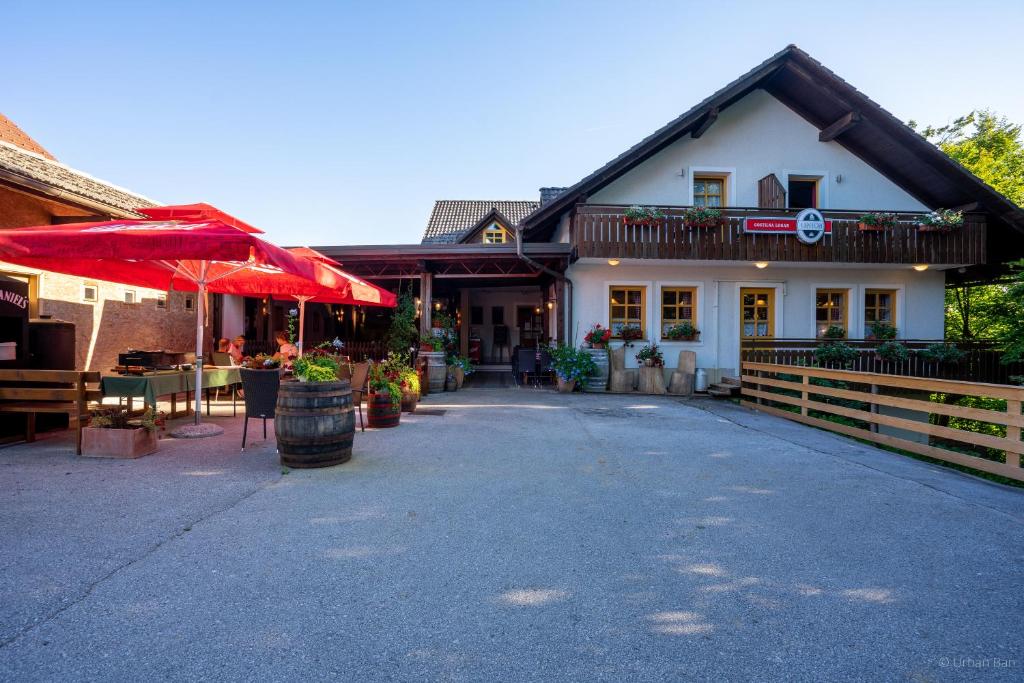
(989, 146)
(403, 333)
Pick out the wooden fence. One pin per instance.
(981, 362)
(816, 392)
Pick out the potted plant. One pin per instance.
(834, 332)
(431, 343)
(943, 354)
(650, 356)
(315, 367)
(941, 220)
(881, 331)
(409, 382)
(261, 361)
(630, 333)
(461, 366)
(571, 365)
(835, 354)
(876, 222)
(114, 433)
(892, 351)
(384, 404)
(642, 215)
(684, 331)
(702, 217)
(597, 337)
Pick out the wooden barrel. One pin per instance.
(314, 423)
(599, 380)
(381, 412)
(409, 401)
(437, 371)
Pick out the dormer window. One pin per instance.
(495, 235)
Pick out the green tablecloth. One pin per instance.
(149, 387)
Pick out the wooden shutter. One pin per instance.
(770, 193)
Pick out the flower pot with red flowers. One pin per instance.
(941, 220)
(877, 222)
(702, 217)
(597, 337)
(384, 403)
(642, 215)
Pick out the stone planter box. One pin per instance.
(100, 442)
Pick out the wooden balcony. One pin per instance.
(600, 231)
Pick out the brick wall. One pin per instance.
(109, 325)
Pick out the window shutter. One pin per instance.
(770, 193)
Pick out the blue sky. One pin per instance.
(341, 123)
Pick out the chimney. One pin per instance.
(547, 194)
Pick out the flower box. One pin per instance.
(865, 227)
(641, 221)
(103, 442)
(713, 223)
(924, 227)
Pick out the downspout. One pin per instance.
(555, 274)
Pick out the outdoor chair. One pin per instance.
(260, 387)
(360, 372)
(525, 365)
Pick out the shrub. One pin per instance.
(893, 351)
(836, 353)
(942, 353)
(570, 363)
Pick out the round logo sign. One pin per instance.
(810, 226)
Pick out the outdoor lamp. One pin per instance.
(613, 262)
(551, 304)
(761, 265)
(921, 267)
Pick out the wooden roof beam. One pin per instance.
(840, 126)
(710, 117)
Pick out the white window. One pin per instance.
(90, 293)
(129, 296)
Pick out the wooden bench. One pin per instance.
(49, 391)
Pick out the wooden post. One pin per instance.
(874, 409)
(561, 334)
(1013, 432)
(805, 395)
(464, 326)
(426, 301)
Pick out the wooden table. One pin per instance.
(151, 386)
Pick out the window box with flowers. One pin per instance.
(642, 215)
(702, 217)
(877, 222)
(941, 220)
(684, 331)
(630, 333)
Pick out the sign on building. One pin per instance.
(809, 226)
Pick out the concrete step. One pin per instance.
(735, 381)
(724, 390)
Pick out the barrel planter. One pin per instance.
(314, 423)
(599, 380)
(437, 371)
(409, 401)
(381, 413)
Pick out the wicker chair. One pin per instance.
(359, 374)
(260, 398)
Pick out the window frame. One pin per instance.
(820, 178)
(694, 291)
(894, 306)
(131, 294)
(774, 312)
(492, 230)
(642, 322)
(161, 301)
(95, 295)
(845, 292)
(189, 302)
(705, 177)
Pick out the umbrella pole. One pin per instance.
(200, 315)
(302, 321)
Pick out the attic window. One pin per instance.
(495, 234)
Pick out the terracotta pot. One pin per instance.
(566, 386)
(460, 377)
(864, 227)
(100, 442)
(687, 338)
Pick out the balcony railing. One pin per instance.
(982, 360)
(600, 231)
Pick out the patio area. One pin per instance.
(503, 534)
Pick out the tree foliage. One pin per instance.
(989, 146)
(403, 332)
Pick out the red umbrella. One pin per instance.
(360, 292)
(201, 255)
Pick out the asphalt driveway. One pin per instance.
(520, 535)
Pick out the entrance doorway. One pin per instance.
(530, 320)
(757, 313)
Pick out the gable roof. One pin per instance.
(825, 100)
(10, 132)
(453, 220)
(44, 174)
